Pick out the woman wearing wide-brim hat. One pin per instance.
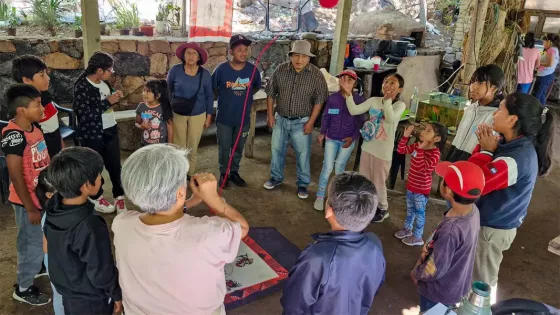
(192, 98)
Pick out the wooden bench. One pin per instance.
(125, 120)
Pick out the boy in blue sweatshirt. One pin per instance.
(320, 281)
(443, 272)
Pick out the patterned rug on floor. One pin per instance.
(264, 259)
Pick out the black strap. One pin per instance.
(199, 73)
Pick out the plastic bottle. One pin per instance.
(477, 302)
(414, 100)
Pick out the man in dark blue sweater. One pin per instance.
(342, 270)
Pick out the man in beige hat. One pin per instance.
(299, 90)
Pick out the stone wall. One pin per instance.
(463, 24)
(137, 60)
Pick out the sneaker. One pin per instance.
(31, 296)
(319, 204)
(42, 272)
(413, 241)
(221, 182)
(103, 206)
(271, 184)
(302, 192)
(120, 205)
(380, 215)
(236, 179)
(403, 233)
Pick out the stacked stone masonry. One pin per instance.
(136, 61)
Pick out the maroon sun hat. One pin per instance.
(180, 52)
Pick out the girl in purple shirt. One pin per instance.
(339, 130)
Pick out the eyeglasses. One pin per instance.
(110, 70)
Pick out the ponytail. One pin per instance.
(543, 142)
(160, 89)
(536, 123)
(99, 60)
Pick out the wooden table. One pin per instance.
(259, 104)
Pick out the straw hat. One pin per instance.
(301, 47)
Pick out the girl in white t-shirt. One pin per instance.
(97, 128)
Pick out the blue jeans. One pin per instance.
(415, 211)
(523, 87)
(57, 298)
(541, 87)
(29, 245)
(287, 131)
(335, 157)
(426, 304)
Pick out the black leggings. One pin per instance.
(110, 151)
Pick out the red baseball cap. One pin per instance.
(466, 179)
(349, 73)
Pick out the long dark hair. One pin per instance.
(536, 122)
(43, 187)
(99, 60)
(529, 40)
(493, 75)
(441, 131)
(401, 84)
(161, 93)
(554, 39)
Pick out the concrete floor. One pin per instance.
(528, 269)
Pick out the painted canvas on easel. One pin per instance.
(210, 20)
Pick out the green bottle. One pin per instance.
(477, 302)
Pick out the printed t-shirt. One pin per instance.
(107, 117)
(158, 128)
(31, 146)
(233, 86)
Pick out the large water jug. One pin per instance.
(477, 302)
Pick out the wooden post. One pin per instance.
(473, 42)
(340, 36)
(91, 28)
(423, 13)
(184, 17)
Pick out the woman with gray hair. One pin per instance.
(170, 262)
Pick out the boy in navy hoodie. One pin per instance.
(81, 264)
(443, 272)
(320, 283)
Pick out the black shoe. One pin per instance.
(31, 296)
(380, 215)
(236, 179)
(43, 272)
(222, 179)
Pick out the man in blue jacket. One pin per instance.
(342, 270)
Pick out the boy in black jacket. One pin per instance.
(81, 264)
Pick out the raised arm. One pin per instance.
(393, 112)
(361, 108)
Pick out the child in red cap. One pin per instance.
(443, 272)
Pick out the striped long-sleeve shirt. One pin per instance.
(422, 165)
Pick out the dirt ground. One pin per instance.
(528, 269)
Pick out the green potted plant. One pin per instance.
(176, 21)
(13, 21)
(126, 14)
(162, 16)
(78, 27)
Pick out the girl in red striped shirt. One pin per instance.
(425, 156)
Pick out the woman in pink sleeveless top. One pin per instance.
(526, 67)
